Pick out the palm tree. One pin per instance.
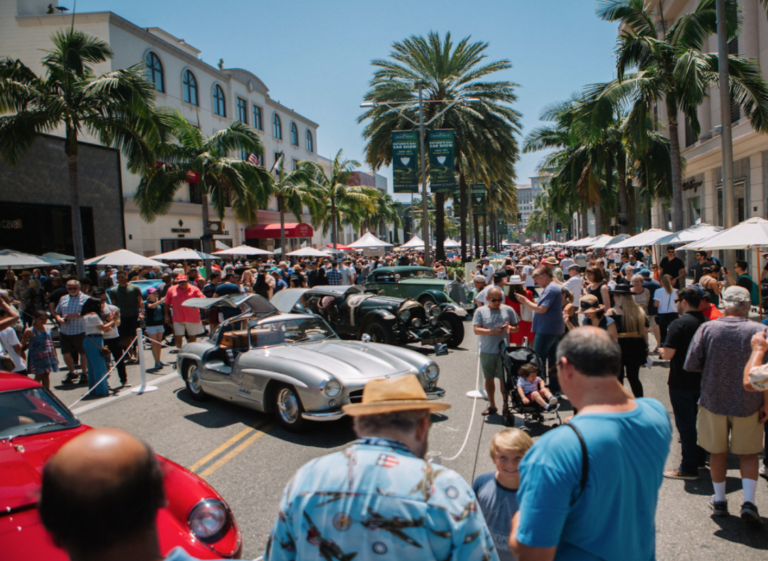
(222, 180)
(385, 213)
(293, 191)
(340, 202)
(484, 131)
(671, 68)
(115, 107)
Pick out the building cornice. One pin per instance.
(291, 112)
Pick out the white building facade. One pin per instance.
(208, 96)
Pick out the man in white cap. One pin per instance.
(379, 497)
(480, 284)
(487, 269)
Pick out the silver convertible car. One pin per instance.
(292, 365)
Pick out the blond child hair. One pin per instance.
(511, 439)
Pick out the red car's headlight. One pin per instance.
(209, 520)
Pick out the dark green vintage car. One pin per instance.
(353, 313)
(419, 283)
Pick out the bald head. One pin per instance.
(591, 351)
(102, 488)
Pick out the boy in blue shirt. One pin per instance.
(497, 492)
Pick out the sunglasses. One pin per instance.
(494, 299)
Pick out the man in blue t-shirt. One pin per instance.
(225, 289)
(603, 508)
(548, 323)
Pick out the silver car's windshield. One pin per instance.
(280, 332)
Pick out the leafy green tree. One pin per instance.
(293, 191)
(485, 131)
(385, 213)
(661, 63)
(116, 108)
(338, 201)
(224, 181)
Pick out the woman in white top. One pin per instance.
(112, 339)
(664, 300)
(93, 345)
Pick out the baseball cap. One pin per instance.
(182, 278)
(479, 278)
(151, 290)
(736, 294)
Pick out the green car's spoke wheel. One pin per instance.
(379, 332)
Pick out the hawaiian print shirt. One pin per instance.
(376, 500)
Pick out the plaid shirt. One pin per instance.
(69, 305)
(334, 276)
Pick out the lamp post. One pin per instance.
(422, 125)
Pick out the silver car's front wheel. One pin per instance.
(194, 382)
(288, 408)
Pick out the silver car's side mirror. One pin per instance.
(366, 338)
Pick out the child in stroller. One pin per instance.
(529, 396)
(531, 388)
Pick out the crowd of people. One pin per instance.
(592, 318)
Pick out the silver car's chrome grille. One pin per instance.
(356, 396)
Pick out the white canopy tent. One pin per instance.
(10, 258)
(123, 258)
(58, 256)
(583, 242)
(243, 250)
(746, 235)
(369, 241)
(601, 241)
(451, 244)
(307, 252)
(184, 254)
(642, 239)
(696, 233)
(414, 243)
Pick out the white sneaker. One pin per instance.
(552, 401)
(761, 471)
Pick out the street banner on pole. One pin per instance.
(405, 162)
(442, 175)
(478, 199)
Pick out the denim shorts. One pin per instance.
(152, 329)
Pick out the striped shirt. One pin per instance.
(72, 305)
(334, 276)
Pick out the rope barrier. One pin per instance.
(472, 418)
(105, 375)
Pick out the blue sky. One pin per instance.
(314, 55)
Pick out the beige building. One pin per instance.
(212, 97)
(702, 183)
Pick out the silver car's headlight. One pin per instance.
(430, 370)
(332, 388)
(405, 315)
(435, 311)
(208, 519)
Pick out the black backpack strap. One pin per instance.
(584, 458)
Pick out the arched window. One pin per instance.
(190, 87)
(277, 127)
(154, 71)
(294, 134)
(219, 101)
(310, 144)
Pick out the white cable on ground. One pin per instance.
(472, 418)
(105, 375)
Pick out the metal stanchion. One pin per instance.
(143, 388)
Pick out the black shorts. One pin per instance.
(72, 344)
(128, 326)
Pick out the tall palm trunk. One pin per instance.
(477, 235)
(623, 198)
(463, 215)
(206, 246)
(485, 231)
(74, 202)
(440, 226)
(677, 176)
(333, 222)
(280, 207)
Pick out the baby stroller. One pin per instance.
(513, 358)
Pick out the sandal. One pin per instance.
(489, 411)
(505, 411)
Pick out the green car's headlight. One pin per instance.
(405, 315)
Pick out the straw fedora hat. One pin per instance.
(393, 394)
(551, 261)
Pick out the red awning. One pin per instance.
(272, 231)
(341, 247)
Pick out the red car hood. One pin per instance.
(21, 466)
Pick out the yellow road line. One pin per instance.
(227, 444)
(223, 460)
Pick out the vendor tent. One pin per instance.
(695, 233)
(450, 244)
(642, 239)
(583, 242)
(369, 241)
(123, 258)
(307, 252)
(414, 243)
(58, 256)
(10, 258)
(746, 235)
(184, 254)
(243, 250)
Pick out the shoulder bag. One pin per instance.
(584, 461)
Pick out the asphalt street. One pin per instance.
(249, 459)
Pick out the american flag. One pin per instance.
(254, 159)
(387, 461)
